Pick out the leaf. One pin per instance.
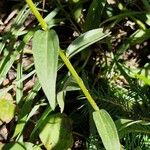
(106, 129)
(7, 61)
(111, 1)
(56, 133)
(138, 37)
(25, 110)
(7, 110)
(60, 100)
(19, 146)
(137, 73)
(148, 19)
(95, 11)
(45, 52)
(13, 146)
(126, 126)
(15, 31)
(143, 78)
(69, 84)
(19, 90)
(40, 122)
(85, 40)
(49, 19)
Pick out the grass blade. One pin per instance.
(19, 90)
(25, 110)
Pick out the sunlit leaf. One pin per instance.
(45, 52)
(60, 100)
(107, 130)
(143, 78)
(7, 110)
(85, 40)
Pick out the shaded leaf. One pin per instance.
(19, 146)
(45, 52)
(140, 74)
(106, 129)
(33, 135)
(8, 60)
(56, 133)
(126, 126)
(25, 110)
(95, 11)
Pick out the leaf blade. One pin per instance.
(45, 52)
(85, 40)
(106, 129)
(56, 132)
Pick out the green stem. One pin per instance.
(37, 14)
(78, 80)
(64, 58)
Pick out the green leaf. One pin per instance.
(126, 126)
(33, 135)
(7, 61)
(140, 74)
(148, 19)
(7, 110)
(138, 37)
(60, 100)
(19, 90)
(56, 132)
(69, 84)
(19, 146)
(45, 52)
(106, 129)
(143, 78)
(94, 14)
(85, 40)
(25, 110)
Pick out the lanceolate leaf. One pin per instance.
(45, 52)
(106, 129)
(85, 40)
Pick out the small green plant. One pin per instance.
(87, 81)
(46, 53)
